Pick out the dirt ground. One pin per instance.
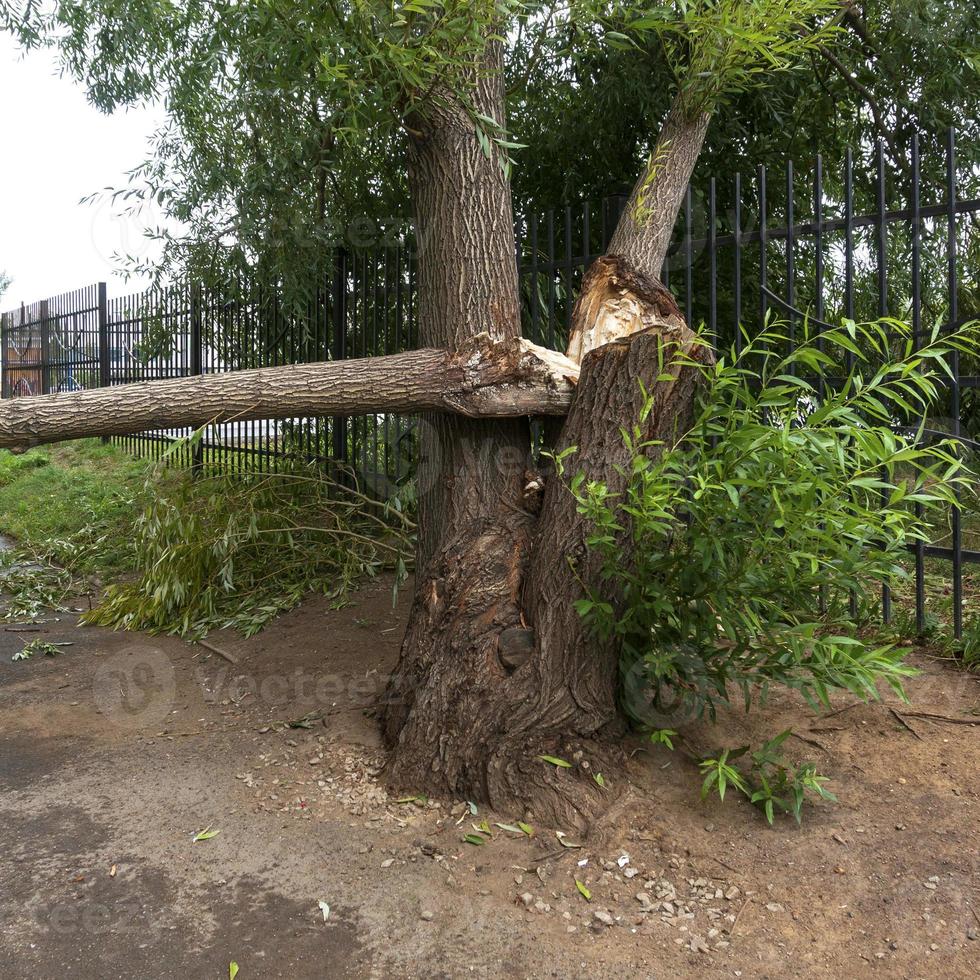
(114, 754)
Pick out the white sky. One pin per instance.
(55, 149)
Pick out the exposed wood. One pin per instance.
(503, 379)
(617, 301)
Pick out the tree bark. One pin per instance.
(642, 236)
(503, 379)
(497, 668)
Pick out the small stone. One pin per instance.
(427, 916)
(774, 907)
(601, 915)
(528, 899)
(971, 933)
(631, 872)
(732, 893)
(698, 945)
(542, 906)
(387, 862)
(893, 945)
(933, 947)
(644, 899)
(931, 885)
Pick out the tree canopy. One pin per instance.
(285, 119)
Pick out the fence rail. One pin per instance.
(817, 244)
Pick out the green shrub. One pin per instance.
(740, 557)
(235, 551)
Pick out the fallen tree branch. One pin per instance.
(483, 379)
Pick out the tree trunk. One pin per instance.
(497, 668)
(503, 379)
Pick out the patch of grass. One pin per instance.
(235, 551)
(73, 505)
(70, 510)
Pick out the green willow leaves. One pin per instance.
(793, 497)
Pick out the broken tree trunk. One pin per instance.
(497, 668)
(503, 379)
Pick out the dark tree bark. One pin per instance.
(497, 668)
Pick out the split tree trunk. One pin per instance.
(497, 668)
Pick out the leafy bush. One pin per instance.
(738, 559)
(235, 551)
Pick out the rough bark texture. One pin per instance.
(502, 669)
(497, 379)
(467, 285)
(497, 668)
(642, 236)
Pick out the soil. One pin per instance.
(117, 752)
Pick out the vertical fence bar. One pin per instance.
(712, 260)
(45, 330)
(737, 234)
(920, 551)
(105, 355)
(954, 313)
(882, 235)
(849, 244)
(340, 345)
(196, 360)
(4, 355)
(790, 255)
(688, 257)
(763, 247)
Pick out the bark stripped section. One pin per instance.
(504, 670)
(617, 301)
(495, 379)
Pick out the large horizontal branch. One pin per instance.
(482, 379)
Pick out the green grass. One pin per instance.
(73, 505)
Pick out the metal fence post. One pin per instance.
(104, 353)
(45, 364)
(4, 355)
(340, 344)
(196, 361)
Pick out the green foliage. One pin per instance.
(69, 510)
(787, 497)
(283, 134)
(717, 49)
(37, 646)
(968, 646)
(235, 551)
(769, 782)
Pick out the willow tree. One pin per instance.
(496, 668)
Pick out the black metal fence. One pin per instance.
(825, 243)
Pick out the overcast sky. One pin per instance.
(54, 149)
